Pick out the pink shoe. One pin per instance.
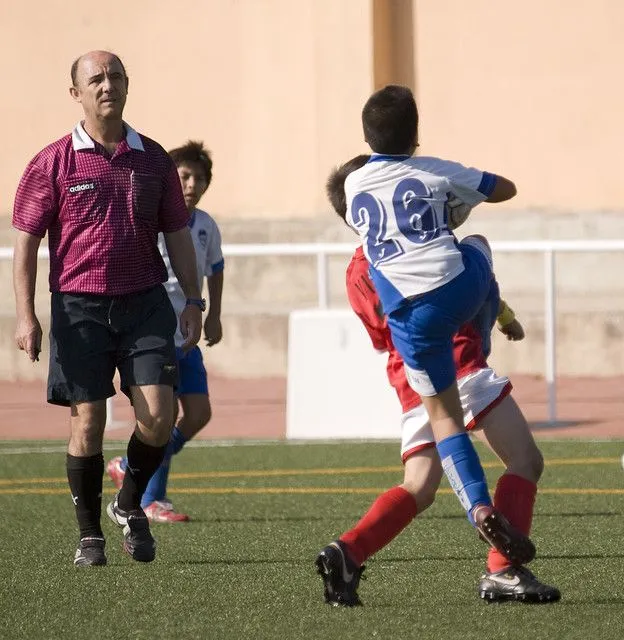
(114, 470)
(163, 511)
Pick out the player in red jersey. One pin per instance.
(488, 406)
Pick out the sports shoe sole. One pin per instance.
(527, 598)
(513, 544)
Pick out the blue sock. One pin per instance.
(463, 469)
(157, 486)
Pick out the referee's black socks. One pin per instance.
(143, 460)
(85, 483)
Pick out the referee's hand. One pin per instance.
(190, 326)
(28, 336)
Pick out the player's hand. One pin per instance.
(212, 330)
(190, 326)
(513, 331)
(28, 336)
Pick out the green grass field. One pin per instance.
(244, 567)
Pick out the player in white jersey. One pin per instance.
(428, 283)
(195, 171)
(487, 404)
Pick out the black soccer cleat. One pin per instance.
(341, 576)
(496, 530)
(138, 540)
(90, 552)
(516, 584)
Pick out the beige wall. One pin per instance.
(530, 89)
(275, 88)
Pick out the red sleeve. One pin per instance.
(365, 302)
(173, 214)
(36, 204)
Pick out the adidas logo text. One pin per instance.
(82, 187)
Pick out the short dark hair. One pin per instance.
(335, 183)
(390, 120)
(73, 72)
(194, 152)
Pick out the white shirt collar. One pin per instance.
(81, 139)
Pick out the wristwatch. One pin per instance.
(198, 302)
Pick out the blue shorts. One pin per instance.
(191, 372)
(423, 328)
(485, 318)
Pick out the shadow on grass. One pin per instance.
(262, 519)
(224, 562)
(356, 516)
(479, 556)
(430, 557)
(561, 424)
(583, 514)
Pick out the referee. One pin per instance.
(103, 193)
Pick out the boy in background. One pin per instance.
(195, 171)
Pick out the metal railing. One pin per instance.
(322, 251)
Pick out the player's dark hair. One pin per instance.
(73, 72)
(390, 120)
(335, 183)
(194, 152)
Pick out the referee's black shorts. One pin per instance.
(92, 335)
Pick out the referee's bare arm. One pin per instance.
(182, 257)
(28, 330)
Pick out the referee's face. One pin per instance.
(101, 86)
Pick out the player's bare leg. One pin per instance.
(507, 433)
(463, 469)
(196, 413)
(341, 563)
(153, 407)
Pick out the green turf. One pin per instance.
(243, 568)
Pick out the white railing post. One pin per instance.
(110, 418)
(322, 280)
(550, 338)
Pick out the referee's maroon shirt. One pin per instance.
(102, 213)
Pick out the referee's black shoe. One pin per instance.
(516, 584)
(340, 575)
(138, 540)
(90, 552)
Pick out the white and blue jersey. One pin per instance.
(207, 241)
(397, 205)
